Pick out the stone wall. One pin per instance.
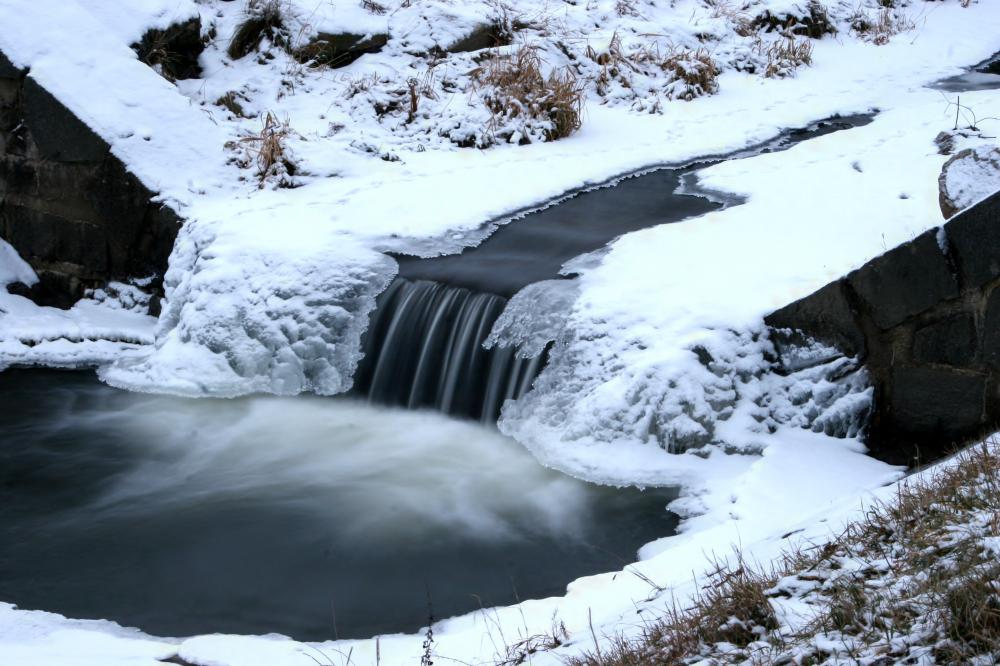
(67, 205)
(925, 319)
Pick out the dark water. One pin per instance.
(310, 517)
(984, 76)
(423, 347)
(536, 247)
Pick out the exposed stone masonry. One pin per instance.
(925, 319)
(67, 205)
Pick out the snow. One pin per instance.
(171, 137)
(972, 177)
(95, 331)
(130, 21)
(242, 320)
(269, 288)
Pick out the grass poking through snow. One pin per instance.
(916, 580)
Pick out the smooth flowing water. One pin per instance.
(424, 348)
(312, 517)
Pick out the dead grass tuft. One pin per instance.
(695, 69)
(513, 88)
(373, 7)
(882, 27)
(814, 23)
(625, 8)
(785, 56)
(264, 18)
(692, 72)
(266, 150)
(732, 608)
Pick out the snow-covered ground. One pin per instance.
(269, 288)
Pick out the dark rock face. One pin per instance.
(936, 401)
(67, 205)
(972, 235)
(830, 316)
(951, 342)
(910, 279)
(925, 319)
(173, 51)
(339, 50)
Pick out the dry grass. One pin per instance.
(732, 607)
(816, 23)
(911, 581)
(266, 150)
(522, 651)
(785, 56)
(264, 18)
(691, 72)
(625, 8)
(695, 68)
(513, 87)
(882, 27)
(373, 7)
(158, 54)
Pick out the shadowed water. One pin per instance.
(536, 248)
(310, 517)
(984, 76)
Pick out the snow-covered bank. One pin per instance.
(107, 327)
(251, 264)
(380, 205)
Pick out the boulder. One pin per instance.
(970, 175)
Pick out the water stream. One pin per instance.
(309, 517)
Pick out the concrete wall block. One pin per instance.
(905, 281)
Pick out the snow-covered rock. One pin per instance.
(969, 176)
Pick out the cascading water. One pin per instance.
(424, 348)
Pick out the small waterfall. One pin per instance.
(424, 348)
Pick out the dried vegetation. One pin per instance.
(524, 103)
(916, 580)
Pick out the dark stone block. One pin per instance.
(991, 330)
(40, 237)
(974, 234)
(825, 315)
(120, 201)
(944, 403)
(59, 134)
(905, 281)
(948, 342)
(7, 68)
(17, 176)
(56, 290)
(64, 188)
(156, 243)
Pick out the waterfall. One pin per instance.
(424, 348)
